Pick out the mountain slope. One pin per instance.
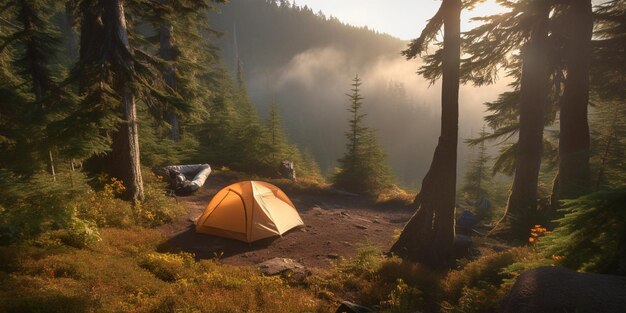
(305, 61)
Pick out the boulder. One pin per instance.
(556, 289)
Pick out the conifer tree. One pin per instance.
(363, 168)
(477, 178)
(533, 99)
(277, 145)
(30, 41)
(217, 135)
(519, 42)
(182, 31)
(608, 77)
(609, 149)
(608, 69)
(429, 236)
(234, 135)
(109, 76)
(574, 143)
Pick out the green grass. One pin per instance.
(124, 273)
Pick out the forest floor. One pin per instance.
(336, 224)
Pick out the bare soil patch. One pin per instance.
(335, 225)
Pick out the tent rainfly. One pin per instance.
(249, 211)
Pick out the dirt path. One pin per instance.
(335, 225)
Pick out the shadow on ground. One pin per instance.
(205, 246)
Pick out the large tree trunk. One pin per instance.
(123, 160)
(574, 171)
(166, 51)
(124, 157)
(429, 236)
(522, 202)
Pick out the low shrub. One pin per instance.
(592, 234)
(403, 298)
(395, 195)
(32, 206)
(373, 279)
(157, 209)
(483, 298)
(486, 269)
(166, 266)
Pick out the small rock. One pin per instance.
(363, 220)
(376, 221)
(360, 226)
(277, 266)
(333, 256)
(304, 230)
(346, 243)
(344, 214)
(317, 210)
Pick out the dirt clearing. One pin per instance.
(335, 225)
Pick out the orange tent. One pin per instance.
(249, 211)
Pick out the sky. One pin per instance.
(400, 18)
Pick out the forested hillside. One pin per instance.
(304, 61)
(161, 156)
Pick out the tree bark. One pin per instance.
(124, 161)
(429, 236)
(522, 202)
(574, 142)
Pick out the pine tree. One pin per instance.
(233, 136)
(522, 42)
(477, 179)
(608, 64)
(609, 145)
(522, 201)
(308, 167)
(574, 143)
(217, 135)
(277, 145)
(30, 42)
(182, 41)
(277, 148)
(429, 236)
(108, 71)
(363, 168)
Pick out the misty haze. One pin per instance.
(288, 156)
(304, 62)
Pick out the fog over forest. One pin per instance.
(305, 61)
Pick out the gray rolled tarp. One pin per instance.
(194, 174)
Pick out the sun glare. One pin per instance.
(489, 7)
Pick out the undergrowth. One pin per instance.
(67, 208)
(389, 284)
(123, 273)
